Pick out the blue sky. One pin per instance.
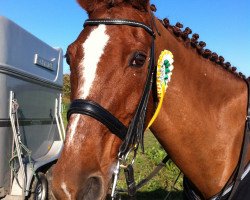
(222, 24)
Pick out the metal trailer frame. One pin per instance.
(28, 170)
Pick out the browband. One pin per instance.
(95, 22)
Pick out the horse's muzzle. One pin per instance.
(93, 189)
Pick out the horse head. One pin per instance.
(203, 114)
(109, 65)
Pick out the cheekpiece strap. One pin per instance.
(248, 122)
(248, 108)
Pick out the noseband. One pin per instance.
(133, 134)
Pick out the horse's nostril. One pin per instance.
(92, 189)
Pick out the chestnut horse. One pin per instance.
(203, 116)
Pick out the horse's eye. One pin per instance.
(67, 58)
(138, 59)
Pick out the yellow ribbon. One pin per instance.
(160, 81)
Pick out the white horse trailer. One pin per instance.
(31, 127)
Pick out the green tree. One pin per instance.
(66, 88)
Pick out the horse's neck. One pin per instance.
(202, 120)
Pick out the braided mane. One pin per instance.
(178, 31)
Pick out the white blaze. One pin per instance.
(72, 126)
(93, 49)
(64, 187)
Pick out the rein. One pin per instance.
(132, 136)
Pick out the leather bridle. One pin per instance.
(133, 134)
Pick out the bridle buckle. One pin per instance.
(248, 122)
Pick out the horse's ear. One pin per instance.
(87, 5)
(142, 5)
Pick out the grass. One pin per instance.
(159, 187)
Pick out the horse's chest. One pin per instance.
(242, 193)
